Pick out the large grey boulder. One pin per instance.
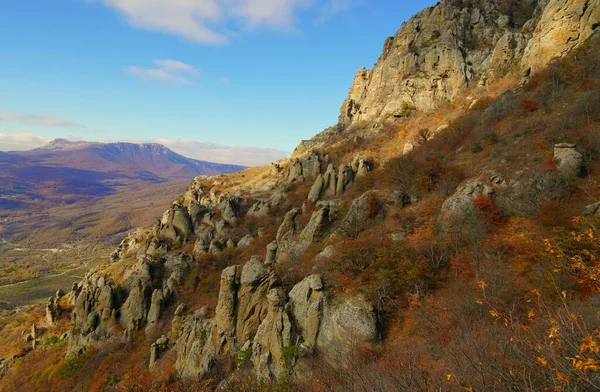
(273, 336)
(195, 351)
(591, 210)
(462, 201)
(347, 321)
(156, 304)
(259, 209)
(226, 311)
(134, 311)
(568, 159)
(289, 223)
(306, 303)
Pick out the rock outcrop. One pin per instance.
(257, 319)
(568, 159)
(461, 43)
(195, 351)
(591, 210)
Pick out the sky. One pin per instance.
(251, 78)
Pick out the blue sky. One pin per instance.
(260, 74)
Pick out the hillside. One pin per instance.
(64, 205)
(443, 236)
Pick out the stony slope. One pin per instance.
(385, 271)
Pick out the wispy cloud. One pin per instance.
(21, 141)
(166, 70)
(36, 120)
(214, 21)
(333, 8)
(238, 155)
(176, 66)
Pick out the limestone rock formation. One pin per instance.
(332, 182)
(156, 305)
(591, 210)
(568, 159)
(157, 348)
(134, 311)
(303, 168)
(255, 314)
(361, 210)
(307, 301)
(460, 43)
(259, 209)
(273, 336)
(94, 309)
(195, 353)
(561, 26)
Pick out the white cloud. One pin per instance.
(247, 156)
(21, 141)
(185, 18)
(334, 7)
(154, 73)
(213, 21)
(36, 120)
(167, 71)
(176, 66)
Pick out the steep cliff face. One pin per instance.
(462, 43)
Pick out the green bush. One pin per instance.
(243, 358)
(289, 354)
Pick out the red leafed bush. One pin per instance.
(528, 105)
(487, 209)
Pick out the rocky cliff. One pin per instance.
(465, 43)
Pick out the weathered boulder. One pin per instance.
(289, 223)
(462, 201)
(255, 282)
(228, 208)
(315, 191)
(273, 336)
(329, 182)
(157, 348)
(347, 321)
(305, 168)
(195, 351)
(568, 159)
(226, 311)
(311, 166)
(196, 212)
(156, 305)
(360, 212)
(93, 313)
(591, 210)
(271, 253)
(245, 240)
(52, 310)
(292, 243)
(134, 311)
(306, 305)
(259, 209)
(344, 178)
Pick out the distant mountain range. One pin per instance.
(128, 158)
(65, 172)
